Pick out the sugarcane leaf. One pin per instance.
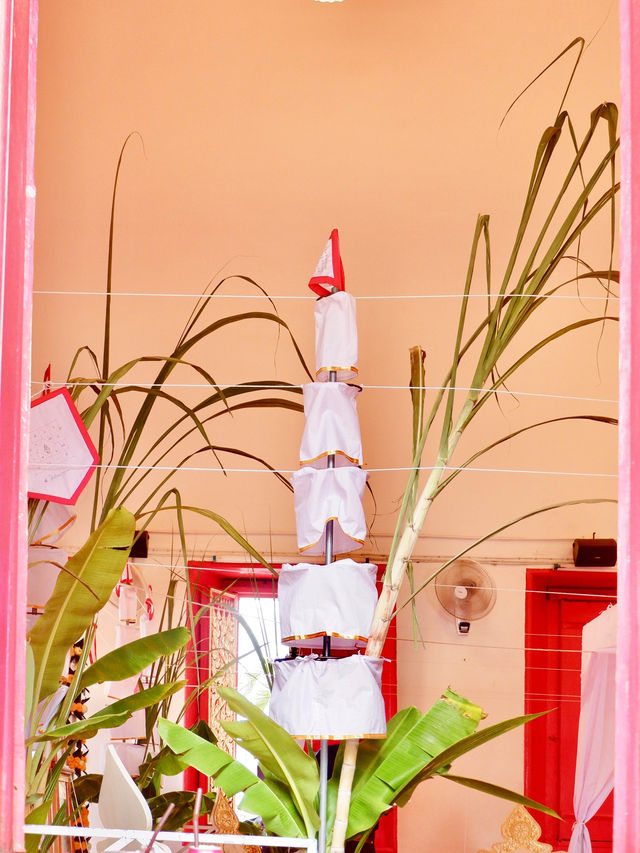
(277, 752)
(86, 788)
(497, 530)
(499, 791)
(233, 777)
(221, 522)
(183, 802)
(72, 606)
(113, 715)
(133, 657)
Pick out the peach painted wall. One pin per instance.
(266, 124)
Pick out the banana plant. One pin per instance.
(417, 747)
(80, 592)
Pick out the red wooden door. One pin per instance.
(559, 604)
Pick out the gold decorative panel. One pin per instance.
(223, 653)
(521, 834)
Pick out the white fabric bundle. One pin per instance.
(337, 600)
(337, 698)
(331, 424)
(336, 336)
(322, 495)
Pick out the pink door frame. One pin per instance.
(626, 821)
(18, 22)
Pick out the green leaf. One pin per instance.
(503, 793)
(133, 657)
(387, 766)
(442, 760)
(113, 715)
(277, 751)
(233, 777)
(183, 803)
(71, 608)
(39, 815)
(29, 682)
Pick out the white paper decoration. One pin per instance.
(337, 600)
(337, 698)
(322, 495)
(336, 337)
(55, 521)
(61, 454)
(331, 425)
(42, 573)
(329, 272)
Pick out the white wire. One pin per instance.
(306, 298)
(248, 386)
(283, 471)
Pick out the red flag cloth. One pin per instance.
(329, 273)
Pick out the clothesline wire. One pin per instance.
(268, 580)
(226, 470)
(306, 298)
(255, 387)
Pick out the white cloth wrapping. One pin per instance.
(322, 495)
(596, 736)
(337, 600)
(338, 698)
(331, 425)
(336, 336)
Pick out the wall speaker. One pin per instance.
(595, 552)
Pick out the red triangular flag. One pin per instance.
(329, 272)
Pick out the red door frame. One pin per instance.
(542, 655)
(241, 579)
(626, 821)
(18, 22)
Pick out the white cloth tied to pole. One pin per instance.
(336, 698)
(596, 736)
(330, 494)
(331, 425)
(336, 336)
(337, 600)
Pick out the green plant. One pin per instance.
(418, 747)
(545, 239)
(80, 592)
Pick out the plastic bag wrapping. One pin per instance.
(336, 337)
(337, 698)
(337, 600)
(322, 495)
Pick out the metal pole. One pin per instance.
(326, 651)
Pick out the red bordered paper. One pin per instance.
(61, 454)
(329, 272)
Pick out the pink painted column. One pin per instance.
(626, 830)
(18, 33)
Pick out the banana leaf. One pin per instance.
(279, 755)
(387, 766)
(97, 567)
(276, 812)
(441, 762)
(499, 791)
(133, 657)
(113, 715)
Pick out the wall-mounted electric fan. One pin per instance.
(466, 591)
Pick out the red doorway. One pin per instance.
(559, 603)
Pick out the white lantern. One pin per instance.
(336, 337)
(332, 494)
(337, 600)
(336, 698)
(331, 425)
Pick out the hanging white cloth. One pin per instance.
(596, 737)
(337, 600)
(336, 336)
(330, 494)
(331, 425)
(337, 698)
